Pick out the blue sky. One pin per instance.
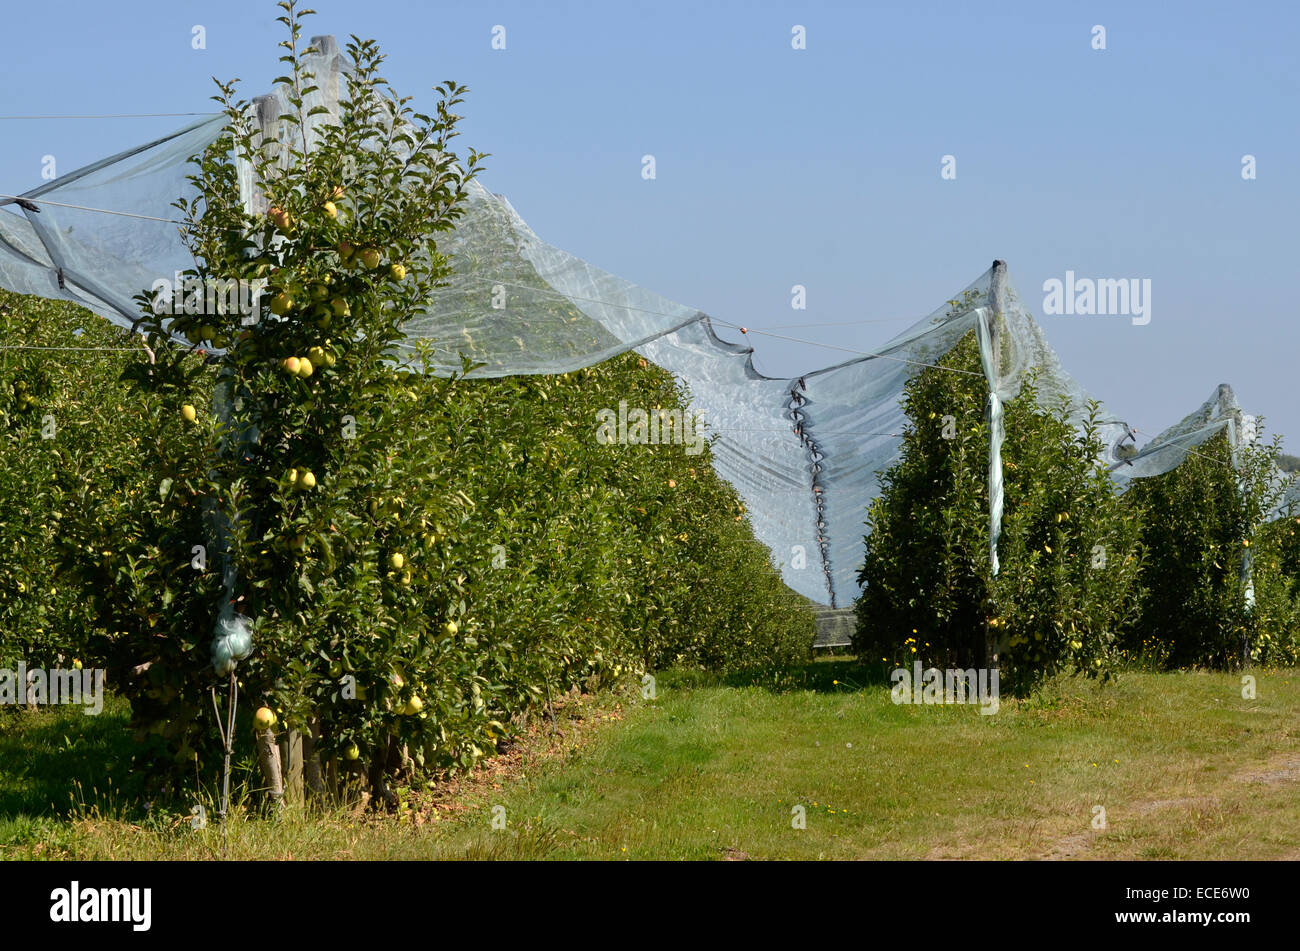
(820, 166)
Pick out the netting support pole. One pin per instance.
(1241, 433)
(991, 357)
(297, 758)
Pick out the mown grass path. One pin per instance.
(1183, 765)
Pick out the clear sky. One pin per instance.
(819, 166)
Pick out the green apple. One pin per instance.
(293, 476)
(189, 413)
(397, 272)
(397, 560)
(336, 669)
(414, 706)
(264, 719)
(307, 480)
(317, 356)
(351, 752)
(281, 304)
(370, 258)
(340, 307)
(319, 291)
(450, 628)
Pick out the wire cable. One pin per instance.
(104, 211)
(118, 115)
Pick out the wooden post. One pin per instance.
(268, 755)
(291, 750)
(311, 762)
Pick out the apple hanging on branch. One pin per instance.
(281, 219)
(264, 719)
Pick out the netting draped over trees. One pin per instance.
(805, 454)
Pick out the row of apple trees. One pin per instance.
(425, 563)
(1089, 580)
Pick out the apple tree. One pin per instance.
(1069, 554)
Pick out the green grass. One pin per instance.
(1182, 764)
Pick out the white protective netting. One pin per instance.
(805, 454)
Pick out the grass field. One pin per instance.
(1184, 767)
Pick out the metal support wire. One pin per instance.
(227, 741)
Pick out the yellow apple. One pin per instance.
(330, 209)
(397, 272)
(351, 752)
(291, 365)
(307, 480)
(305, 368)
(317, 356)
(397, 561)
(450, 628)
(264, 719)
(188, 413)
